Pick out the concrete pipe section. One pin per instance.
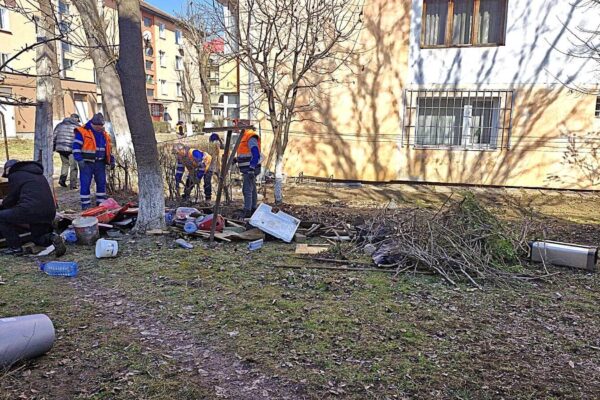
(24, 338)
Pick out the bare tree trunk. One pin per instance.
(206, 105)
(43, 150)
(133, 82)
(58, 99)
(188, 95)
(104, 59)
(205, 88)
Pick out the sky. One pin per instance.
(170, 6)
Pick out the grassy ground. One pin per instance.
(163, 323)
(20, 149)
(350, 335)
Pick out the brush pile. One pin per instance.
(462, 242)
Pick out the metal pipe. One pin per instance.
(3, 126)
(24, 338)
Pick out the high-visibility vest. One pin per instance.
(192, 164)
(89, 148)
(244, 153)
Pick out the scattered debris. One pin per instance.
(24, 338)
(183, 244)
(190, 227)
(60, 268)
(342, 268)
(157, 232)
(256, 245)
(69, 235)
(183, 213)
(311, 249)
(280, 225)
(86, 229)
(114, 233)
(106, 248)
(107, 211)
(564, 254)
(461, 240)
(47, 251)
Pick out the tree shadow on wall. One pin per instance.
(528, 115)
(372, 91)
(376, 107)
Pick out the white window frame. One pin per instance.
(179, 90)
(178, 37)
(162, 58)
(162, 31)
(164, 89)
(4, 19)
(72, 64)
(65, 47)
(178, 63)
(4, 57)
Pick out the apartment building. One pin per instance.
(459, 92)
(164, 55)
(18, 81)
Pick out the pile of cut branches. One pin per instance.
(462, 241)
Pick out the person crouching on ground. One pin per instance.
(30, 202)
(197, 164)
(92, 149)
(64, 133)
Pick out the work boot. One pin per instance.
(59, 245)
(62, 182)
(13, 251)
(248, 213)
(73, 187)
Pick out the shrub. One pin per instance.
(161, 127)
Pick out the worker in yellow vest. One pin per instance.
(197, 163)
(248, 160)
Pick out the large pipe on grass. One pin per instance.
(24, 338)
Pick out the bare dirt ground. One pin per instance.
(160, 322)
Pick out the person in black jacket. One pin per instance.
(30, 202)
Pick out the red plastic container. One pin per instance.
(205, 223)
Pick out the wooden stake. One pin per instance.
(386, 271)
(225, 166)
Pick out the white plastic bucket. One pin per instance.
(106, 248)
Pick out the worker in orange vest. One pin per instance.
(248, 160)
(92, 149)
(198, 164)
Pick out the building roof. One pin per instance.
(157, 11)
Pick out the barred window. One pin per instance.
(478, 120)
(597, 113)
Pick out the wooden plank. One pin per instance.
(385, 271)
(450, 23)
(475, 27)
(308, 249)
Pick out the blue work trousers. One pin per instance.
(96, 170)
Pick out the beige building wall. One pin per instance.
(553, 140)
(77, 82)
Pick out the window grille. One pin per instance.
(461, 119)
